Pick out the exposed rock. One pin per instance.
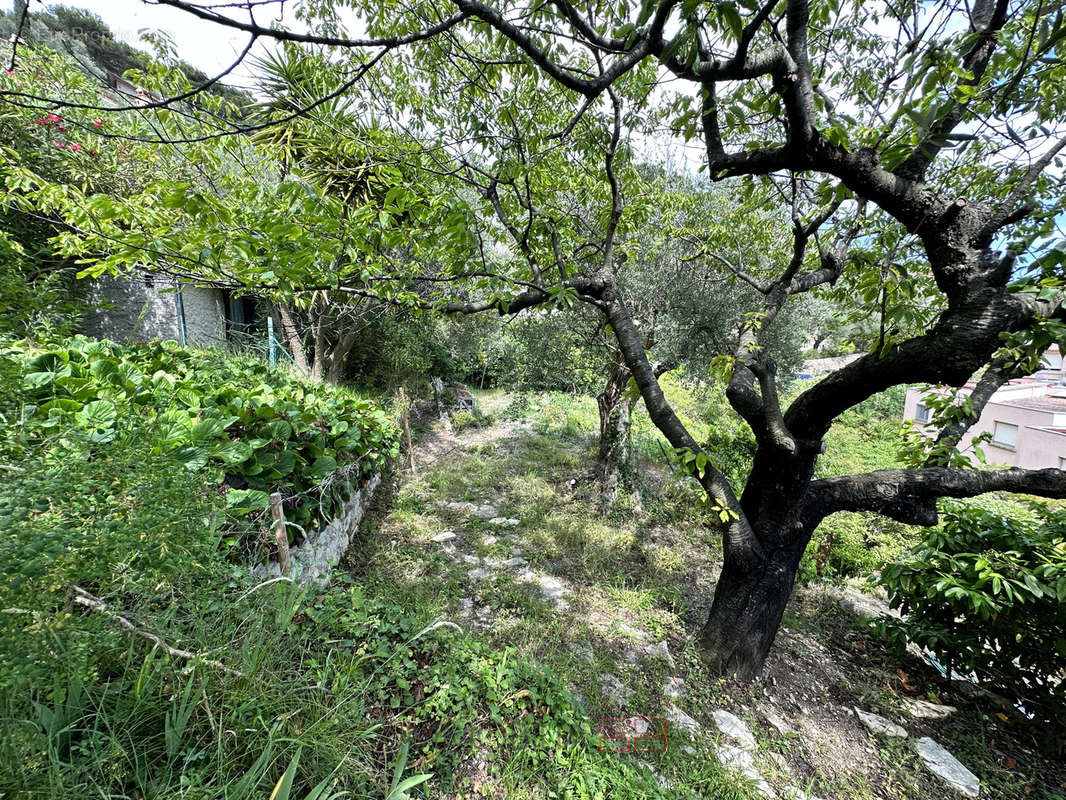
(943, 764)
(638, 725)
(551, 588)
(469, 559)
(457, 505)
(679, 719)
(674, 687)
(480, 573)
(923, 709)
(443, 536)
(517, 561)
(878, 724)
(628, 630)
(505, 522)
(614, 690)
(733, 727)
(584, 652)
(485, 512)
(742, 761)
(630, 657)
(778, 724)
(313, 560)
(483, 617)
(862, 604)
(780, 764)
(488, 541)
(660, 650)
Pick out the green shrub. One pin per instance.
(462, 419)
(849, 545)
(110, 516)
(986, 593)
(256, 429)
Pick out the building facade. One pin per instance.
(143, 307)
(1025, 419)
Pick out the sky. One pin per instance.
(211, 48)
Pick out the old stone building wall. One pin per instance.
(142, 308)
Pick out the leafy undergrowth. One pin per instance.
(136, 660)
(343, 679)
(235, 420)
(644, 575)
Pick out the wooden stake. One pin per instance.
(280, 533)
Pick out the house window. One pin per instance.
(1005, 435)
(1062, 464)
(922, 413)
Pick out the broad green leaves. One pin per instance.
(265, 431)
(987, 592)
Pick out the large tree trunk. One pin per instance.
(338, 356)
(615, 423)
(747, 610)
(290, 335)
(318, 366)
(751, 595)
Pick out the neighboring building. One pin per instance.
(1026, 418)
(125, 92)
(143, 307)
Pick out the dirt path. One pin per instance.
(496, 532)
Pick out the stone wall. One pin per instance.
(323, 549)
(137, 307)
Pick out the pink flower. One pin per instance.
(42, 121)
(54, 118)
(61, 128)
(74, 146)
(60, 145)
(10, 72)
(98, 123)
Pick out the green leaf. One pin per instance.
(247, 499)
(97, 415)
(323, 466)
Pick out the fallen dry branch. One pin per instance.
(90, 601)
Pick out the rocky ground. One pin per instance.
(497, 529)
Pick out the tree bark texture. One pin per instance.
(615, 411)
(290, 335)
(747, 609)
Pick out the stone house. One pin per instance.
(1026, 418)
(144, 306)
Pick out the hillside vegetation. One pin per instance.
(191, 679)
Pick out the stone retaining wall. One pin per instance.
(323, 549)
